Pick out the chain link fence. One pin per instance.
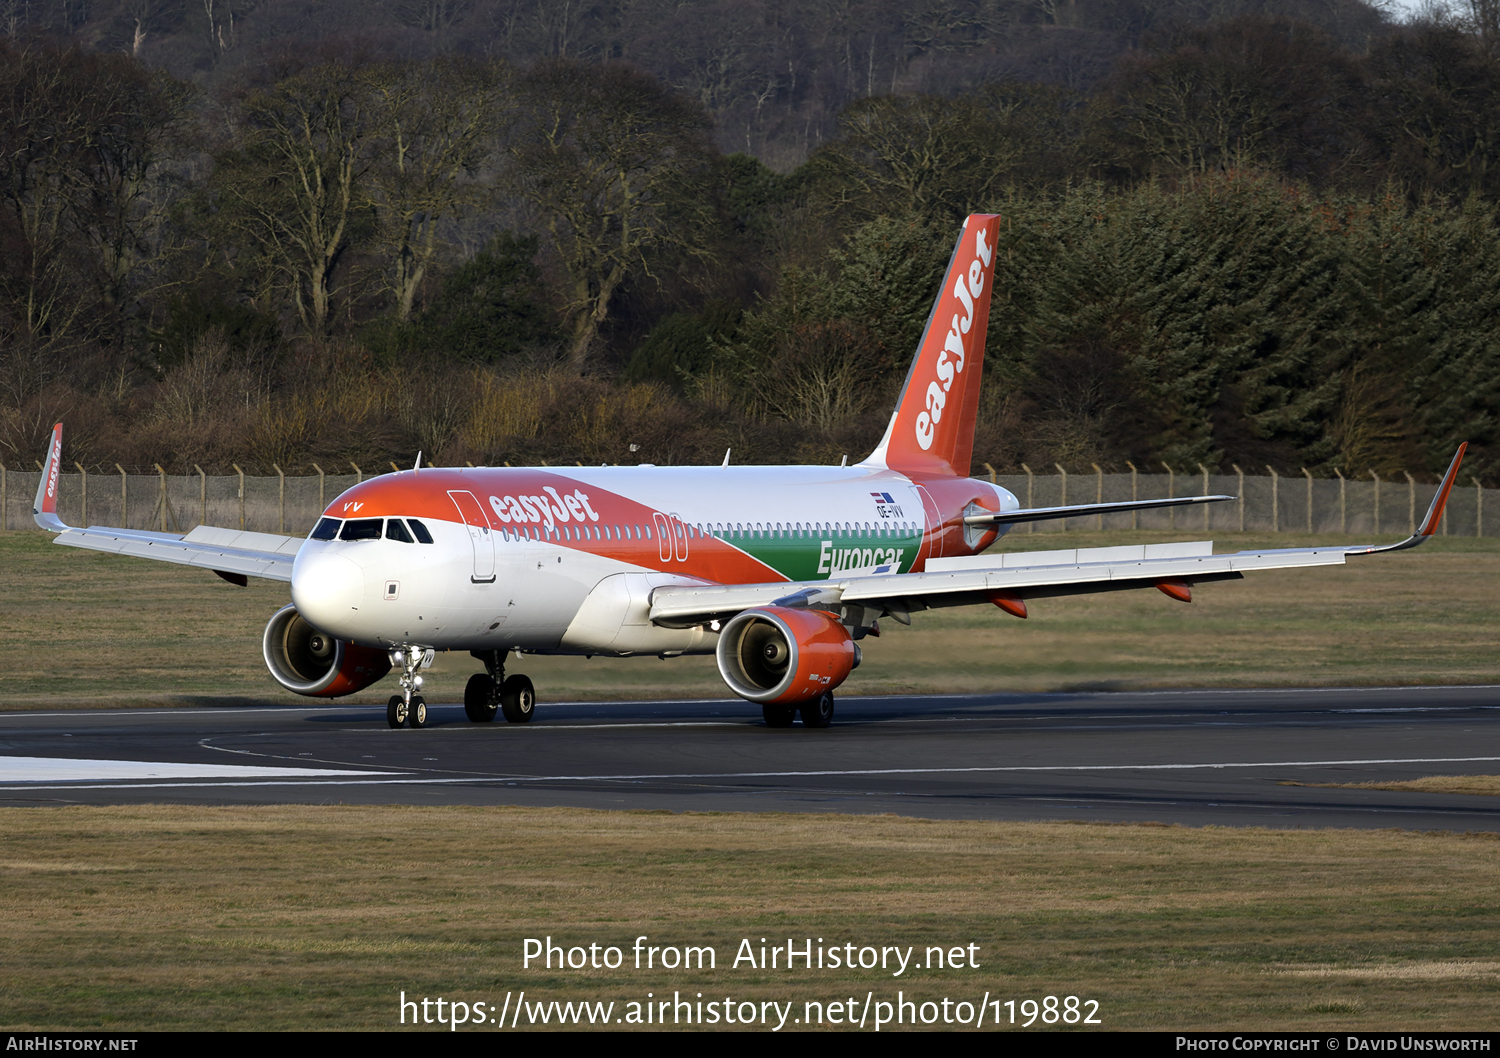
(1271, 503)
(176, 503)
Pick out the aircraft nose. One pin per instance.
(328, 590)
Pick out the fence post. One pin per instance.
(1030, 480)
(83, 503)
(1171, 492)
(359, 475)
(1205, 492)
(1099, 493)
(124, 499)
(1064, 503)
(1341, 500)
(1377, 500)
(202, 495)
(1241, 475)
(1135, 516)
(161, 497)
(1478, 508)
(1275, 499)
(280, 500)
(1308, 474)
(320, 488)
(1411, 503)
(986, 466)
(4, 499)
(241, 473)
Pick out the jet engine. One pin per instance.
(780, 656)
(307, 661)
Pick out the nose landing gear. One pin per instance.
(487, 694)
(408, 707)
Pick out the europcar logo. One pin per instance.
(967, 290)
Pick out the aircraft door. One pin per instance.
(932, 535)
(663, 537)
(480, 537)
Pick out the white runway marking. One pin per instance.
(64, 769)
(375, 778)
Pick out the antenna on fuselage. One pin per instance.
(845, 461)
(419, 462)
(726, 457)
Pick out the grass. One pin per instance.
(1488, 785)
(307, 917)
(92, 630)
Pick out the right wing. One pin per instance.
(232, 554)
(1017, 576)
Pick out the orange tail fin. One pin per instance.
(932, 431)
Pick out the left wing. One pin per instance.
(232, 554)
(1015, 577)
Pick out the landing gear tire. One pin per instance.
(779, 715)
(395, 711)
(417, 714)
(819, 711)
(481, 698)
(517, 699)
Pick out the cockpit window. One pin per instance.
(362, 529)
(395, 529)
(326, 529)
(423, 536)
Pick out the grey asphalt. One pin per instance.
(1189, 757)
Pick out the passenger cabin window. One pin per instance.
(362, 529)
(326, 529)
(395, 529)
(419, 531)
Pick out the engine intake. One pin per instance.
(777, 655)
(307, 661)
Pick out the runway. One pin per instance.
(1190, 757)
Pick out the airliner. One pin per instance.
(780, 571)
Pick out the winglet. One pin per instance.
(1434, 512)
(44, 508)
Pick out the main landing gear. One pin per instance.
(815, 713)
(493, 692)
(408, 707)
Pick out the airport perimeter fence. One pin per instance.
(1284, 503)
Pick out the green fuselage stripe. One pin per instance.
(818, 556)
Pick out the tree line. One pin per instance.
(1254, 239)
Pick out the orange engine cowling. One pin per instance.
(307, 661)
(780, 656)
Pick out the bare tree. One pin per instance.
(439, 122)
(293, 188)
(619, 167)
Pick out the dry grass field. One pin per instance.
(1486, 785)
(94, 630)
(318, 917)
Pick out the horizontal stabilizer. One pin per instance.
(1082, 510)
